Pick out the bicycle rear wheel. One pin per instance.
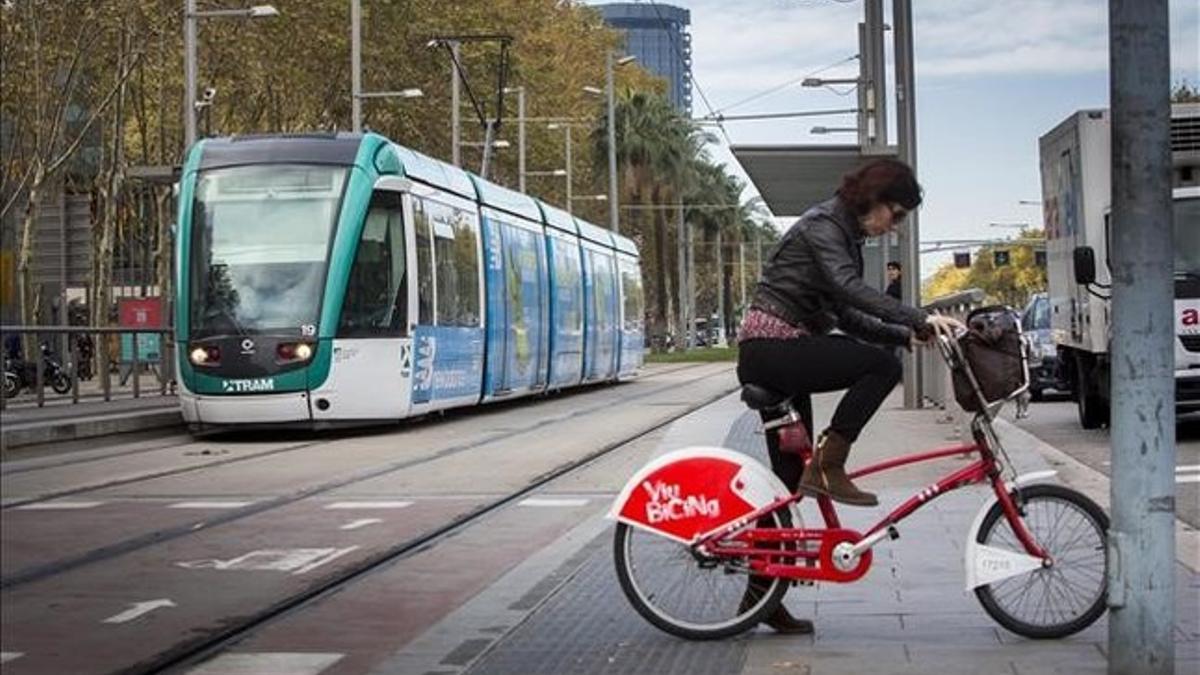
(689, 595)
(1056, 601)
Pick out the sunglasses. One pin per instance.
(898, 214)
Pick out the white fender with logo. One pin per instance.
(690, 492)
(988, 564)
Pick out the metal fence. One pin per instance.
(94, 356)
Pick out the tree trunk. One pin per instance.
(661, 298)
(25, 292)
(683, 338)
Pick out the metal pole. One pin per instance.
(864, 76)
(189, 73)
(489, 136)
(906, 140)
(691, 282)
(521, 138)
(1141, 575)
(567, 127)
(720, 291)
(682, 338)
(878, 83)
(741, 276)
(455, 104)
(613, 218)
(356, 63)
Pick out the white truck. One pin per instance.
(1076, 200)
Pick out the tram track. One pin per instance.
(129, 545)
(190, 653)
(84, 489)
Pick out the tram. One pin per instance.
(343, 278)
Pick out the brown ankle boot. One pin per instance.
(826, 473)
(781, 621)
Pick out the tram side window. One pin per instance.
(631, 289)
(376, 303)
(424, 262)
(455, 253)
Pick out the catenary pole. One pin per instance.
(906, 147)
(1141, 574)
(610, 94)
(455, 108)
(356, 64)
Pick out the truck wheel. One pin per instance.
(1093, 408)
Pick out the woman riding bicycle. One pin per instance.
(811, 284)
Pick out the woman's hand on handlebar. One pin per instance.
(939, 324)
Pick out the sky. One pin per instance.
(991, 77)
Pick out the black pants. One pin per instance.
(814, 364)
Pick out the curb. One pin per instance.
(1095, 485)
(33, 433)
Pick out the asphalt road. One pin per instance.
(1056, 422)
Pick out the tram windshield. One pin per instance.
(259, 247)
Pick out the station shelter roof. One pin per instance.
(792, 178)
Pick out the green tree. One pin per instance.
(1009, 284)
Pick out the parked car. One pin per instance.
(1045, 371)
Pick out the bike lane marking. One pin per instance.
(209, 505)
(138, 609)
(366, 505)
(362, 522)
(5, 657)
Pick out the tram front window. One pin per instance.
(260, 242)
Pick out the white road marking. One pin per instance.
(58, 506)
(138, 609)
(367, 505)
(5, 657)
(317, 563)
(1184, 468)
(545, 501)
(1188, 479)
(355, 524)
(267, 663)
(294, 560)
(209, 505)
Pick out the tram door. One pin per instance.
(372, 348)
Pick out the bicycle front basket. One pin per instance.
(995, 354)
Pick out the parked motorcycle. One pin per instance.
(20, 374)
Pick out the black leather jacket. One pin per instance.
(813, 278)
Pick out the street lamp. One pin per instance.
(498, 143)
(190, 15)
(833, 130)
(608, 93)
(520, 92)
(566, 127)
(825, 81)
(356, 93)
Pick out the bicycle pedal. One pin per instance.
(893, 533)
(804, 582)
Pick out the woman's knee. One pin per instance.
(889, 366)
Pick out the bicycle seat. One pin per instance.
(761, 398)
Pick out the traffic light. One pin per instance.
(962, 260)
(1000, 258)
(1039, 258)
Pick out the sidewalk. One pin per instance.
(910, 614)
(22, 423)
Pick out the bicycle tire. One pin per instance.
(994, 596)
(665, 620)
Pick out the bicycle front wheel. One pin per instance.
(688, 594)
(1056, 601)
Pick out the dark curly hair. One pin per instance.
(880, 181)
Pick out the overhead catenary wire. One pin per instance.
(785, 85)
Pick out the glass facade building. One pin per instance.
(658, 35)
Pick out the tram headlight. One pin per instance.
(292, 352)
(205, 356)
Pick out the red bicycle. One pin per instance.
(695, 524)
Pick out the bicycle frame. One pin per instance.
(845, 555)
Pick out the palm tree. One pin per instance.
(655, 146)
